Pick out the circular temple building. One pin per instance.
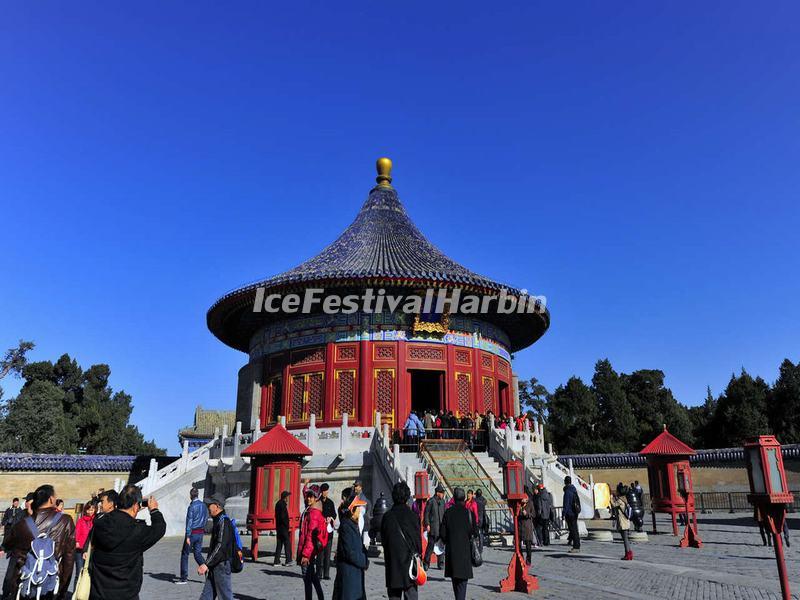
(360, 362)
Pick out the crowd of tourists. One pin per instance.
(473, 428)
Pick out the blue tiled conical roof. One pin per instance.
(382, 242)
(382, 246)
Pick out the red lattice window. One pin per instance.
(384, 392)
(488, 394)
(462, 392)
(316, 395)
(486, 361)
(345, 391)
(346, 353)
(384, 352)
(462, 357)
(502, 367)
(310, 356)
(425, 353)
(296, 397)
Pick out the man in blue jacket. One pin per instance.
(572, 510)
(196, 517)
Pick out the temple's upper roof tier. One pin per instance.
(382, 246)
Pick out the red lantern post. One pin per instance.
(770, 494)
(518, 580)
(421, 494)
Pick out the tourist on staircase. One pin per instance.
(571, 511)
(458, 528)
(432, 522)
(196, 517)
(622, 515)
(401, 542)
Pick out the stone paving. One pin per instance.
(731, 565)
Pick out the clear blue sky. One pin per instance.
(637, 163)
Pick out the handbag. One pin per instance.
(474, 549)
(83, 587)
(416, 572)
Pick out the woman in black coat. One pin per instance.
(525, 523)
(351, 556)
(458, 527)
(400, 536)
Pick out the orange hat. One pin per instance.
(356, 503)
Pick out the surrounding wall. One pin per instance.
(72, 487)
(706, 479)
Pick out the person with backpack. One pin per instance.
(571, 511)
(196, 517)
(217, 566)
(119, 541)
(313, 538)
(47, 534)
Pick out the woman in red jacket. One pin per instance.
(313, 539)
(82, 529)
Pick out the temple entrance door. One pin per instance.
(504, 398)
(427, 390)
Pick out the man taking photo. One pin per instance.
(119, 543)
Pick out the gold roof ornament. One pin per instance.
(384, 167)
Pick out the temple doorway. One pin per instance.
(427, 391)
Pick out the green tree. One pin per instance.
(91, 416)
(14, 360)
(617, 430)
(784, 404)
(654, 406)
(35, 420)
(701, 418)
(533, 398)
(573, 413)
(741, 411)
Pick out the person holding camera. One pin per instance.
(622, 514)
(119, 543)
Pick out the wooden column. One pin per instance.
(366, 408)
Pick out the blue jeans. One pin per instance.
(218, 583)
(196, 547)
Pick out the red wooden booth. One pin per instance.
(670, 476)
(275, 462)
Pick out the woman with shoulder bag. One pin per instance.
(619, 504)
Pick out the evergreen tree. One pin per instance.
(533, 399)
(701, 418)
(90, 416)
(35, 421)
(654, 406)
(741, 411)
(617, 430)
(572, 411)
(14, 360)
(784, 404)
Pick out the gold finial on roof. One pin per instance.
(384, 167)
